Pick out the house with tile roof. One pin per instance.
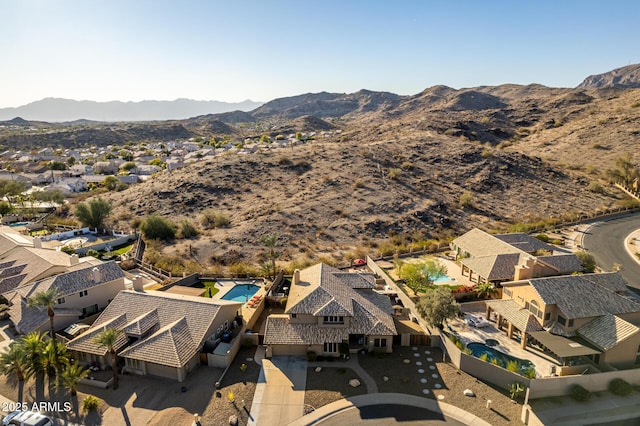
(163, 334)
(328, 309)
(572, 316)
(84, 291)
(505, 257)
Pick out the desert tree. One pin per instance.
(108, 338)
(155, 227)
(438, 305)
(625, 171)
(94, 213)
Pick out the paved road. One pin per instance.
(605, 241)
(388, 415)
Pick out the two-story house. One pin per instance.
(330, 311)
(575, 315)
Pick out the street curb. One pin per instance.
(628, 244)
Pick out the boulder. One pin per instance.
(354, 383)
(318, 369)
(468, 392)
(385, 379)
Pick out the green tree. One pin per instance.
(11, 189)
(94, 213)
(33, 345)
(419, 276)
(13, 361)
(54, 358)
(299, 136)
(54, 196)
(109, 338)
(187, 229)
(128, 166)
(270, 241)
(587, 260)
(154, 227)
(625, 171)
(46, 299)
(158, 162)
(57, 165)
(265, 139)
(71, 375)
(5, 208)
(437, 306)
(111, 183)
(71, 161)
(516, 389)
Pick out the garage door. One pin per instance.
(295, 350)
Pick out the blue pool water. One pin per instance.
(443, 279)
(18, 224)
(478, 349)
(241, 292)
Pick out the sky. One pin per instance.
(233, 50)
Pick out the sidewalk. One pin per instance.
(632, 244)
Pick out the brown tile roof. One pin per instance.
(607, 331)
(515, 314)
(578, 296)
(524, 242)
(183, 324)
(497, 267)
(478, 243)
(564, 264)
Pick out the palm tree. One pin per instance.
(46, 299)
(14, 361)
(485, 290)
(33, 345)
(270, 240)
(108, 338)
(54, 358)
(71, 375)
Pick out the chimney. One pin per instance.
(524, 272)
(137, 284)
(296, 277)
(37, 242)
(97, 276)
(74, 259)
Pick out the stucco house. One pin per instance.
(330, 311)
(162, 333)
(576, 315)
(84, 291)
(506, 257)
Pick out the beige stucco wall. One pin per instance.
(623, 355)
(387, 349)
(162, 371)
(100, 295)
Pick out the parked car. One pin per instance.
(477, 322)
(27, 418)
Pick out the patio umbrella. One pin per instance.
(359, 262)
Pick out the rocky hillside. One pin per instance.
(620, 78)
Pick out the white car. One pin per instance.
(27, 418)
(477, 322)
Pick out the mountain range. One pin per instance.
(67, 110)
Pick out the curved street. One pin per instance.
(605, 241)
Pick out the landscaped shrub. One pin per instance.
(513, 366)
(311, 356)
(530, 373)
(579, 393)
(543, 237)
(90, 403)
(620, 387)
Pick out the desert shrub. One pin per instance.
(90, 403)
(557, 242)
(128, 264)
(214, 219)
(187, 230)
(407, 165)
(587, 260)
(543, 237)
(635, 105)
(93, 253)
(595, 187)
(154, 227)
(466, 199)
(68, 249)
(487, 153)
(620, 387)
(394, 173)
(579, 393)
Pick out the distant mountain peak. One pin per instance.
(620, 78)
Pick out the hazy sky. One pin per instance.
(234, 50)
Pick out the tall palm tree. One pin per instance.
(13, 361)
(71, 375)
(270, 241)
(46, 299)
(33, 345)
(108, 338)
(54, 359)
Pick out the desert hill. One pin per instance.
(620, 78)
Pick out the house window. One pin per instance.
(133, 363)
(294, 315)
(60, 301)
(331, 348)
(380, 343)
(547, 316)
(83, 293)
(561, 320)
(333, 319)
(570, 323)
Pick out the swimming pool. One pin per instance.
(241, 292)
(19, 224)
(479, 349)
(443, 279)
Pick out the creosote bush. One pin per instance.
(620, 387)
(213, 219)
(579, 393)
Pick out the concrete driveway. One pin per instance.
(279, 395)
